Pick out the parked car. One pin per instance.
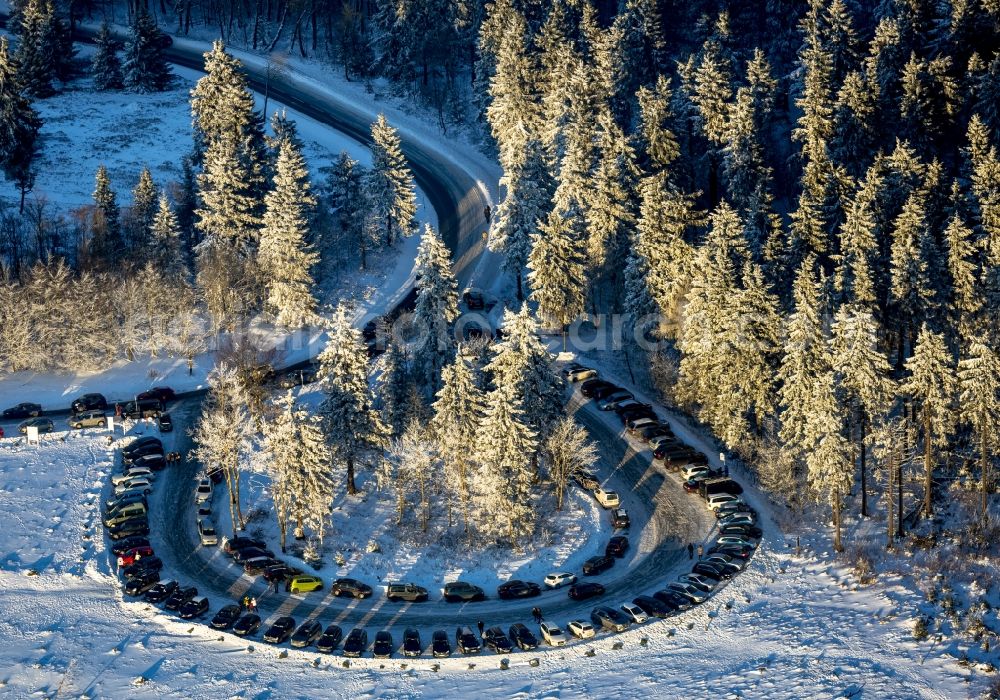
(462, 591)
(89, 402)
(702, 583)
(691, 470)
(607, 499)
(307, 633)
(620, 519)
(634, 613)
(406, 591)
(738, 540)
(203, 491)
(522, 637)
(585, 479)
(673, 599)
(22, 410)
(205, 510)
(411, 643)
(581, 629)
(165, 423)
(518, 589)
(691, 485)
(652, 607)
(746, 531)
(247, 625)
(141, 443)
(587, 589)
(129, 528)
(44, 425)
(466, 641)
(350, 587)
(712, 570)
(695, 595)
(591, 386)
(161, 591)
(559, 579)
(207, 534)
(681, 458)
(628, 407)
(611, 400)
(577, 373)
(280, 572)
(131, 473)
(440, 646)
(180, 596)
(129, 557)
(142, 567)
(159, 393)
(143, 408)
(137, 485)
(247, 553)
(231, 546)
(617, 546)
(356, 642)
(495, 639)
(736, 509)
(140, 584)
(280, 630)
(725, 559)
(654, 431)
(636, 424)
(304, 584)
(597, 565)
(733, 550)
(226, 617)
(142, 452)
(196, 607)
(609, 619)
(122, 513)
(330, 639)
(127, 543)
(258, 565)
(88, 419)
(552, 634)
(115, 503)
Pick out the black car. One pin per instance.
(142, 567)
(356, 642)
(196, 607)
(280, 630)
(673, 600)
(237, 543)
(160, 393)
(307, 633)
(141, 442)
(89, 402)
(712, 571)
(617, 546)
(161, 591)
(227, 617)
(127, 543)
(522, 637)
(165, 423)
(653, 607)
(141, 452)
(609, 619)
(751, 531)
(518, 589)
(582, 591)
(155, 461)
(129, 528)
(180, 596)
(330, 639)
(597, 565)
(241, 556)
(279, 573)
(605, 391)
(411, 643)
(144, 408)
(591, 385)
(350, 587)
(495, 639)
(140, 584)
(637, 412)
(23, 410)
(259, 565)
(247, 625)
(466, 641)
(631, 408)
(382, 647)
(440, 646)
(462, 591)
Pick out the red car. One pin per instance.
(133, 555)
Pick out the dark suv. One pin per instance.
(495, 639)
(143, 408)
(466, 641)
(89, 402)
(23, 410)
(351, 587)
(597, 565)
(522, 637)
(461, 591)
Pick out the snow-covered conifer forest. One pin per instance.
(785, 214)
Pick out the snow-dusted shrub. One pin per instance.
(921, 628)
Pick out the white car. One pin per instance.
(203, 492)
(207, 534)
(661, 439)
(579, 373)
(559, 579)
(634, 613)
(734, 539)
(717, 500)
(552, 635)
(581, 629)
(608, 499)
(694, 469)
(139, 484)
(132, 473)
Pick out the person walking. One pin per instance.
(481, 627)
(690, 550)
(701, 551)
(537, 614)
(486, 213)
(253, 605)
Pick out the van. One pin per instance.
(145, 408)
(719, 484)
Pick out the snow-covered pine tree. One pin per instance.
(221, 102)
(349, 205)
(285, 257)
(106, 67)
(863, 374)
(36, 49)
(167, 253)
(979, 404)
(144, 69)
(416, 470)
(458, 412)
(436, 309)
(503, 484)
(223, 432)
(390, 184)
(914, 251)
(656, 119)
(966, 295)
(556, 265)
(529, 190)
(933, 387)
(19, 125)
(352, 426)
(567, 449)
(394, 389)
(830, 469)
(854, 132)
(855, 280)
(106, 245)
(139, 220)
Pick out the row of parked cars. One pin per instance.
(90, 411)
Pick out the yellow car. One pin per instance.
(304, 584)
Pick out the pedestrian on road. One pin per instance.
(118, 410)
(537, 614)
(690, 550)
(486, 213)
(273, 587)
(727, 470)
(245, 602)
(253, 605)
(701, 550)
(481, 627)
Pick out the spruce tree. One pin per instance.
(394, 389)
(285, 257)
(657, 137)
(145, 196)
(349, 204)
(144, 67)
(436, 309)
(557, 278)
(390, 184)
(979, 402)
(514, 112)
(221, 102)
(167, 252)
(966, 295)
(913, 253)
(106, 67)
(932, 386)
(827, 455)
(107, 246)
(19, 126)
(37, 48)
(855, 281)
